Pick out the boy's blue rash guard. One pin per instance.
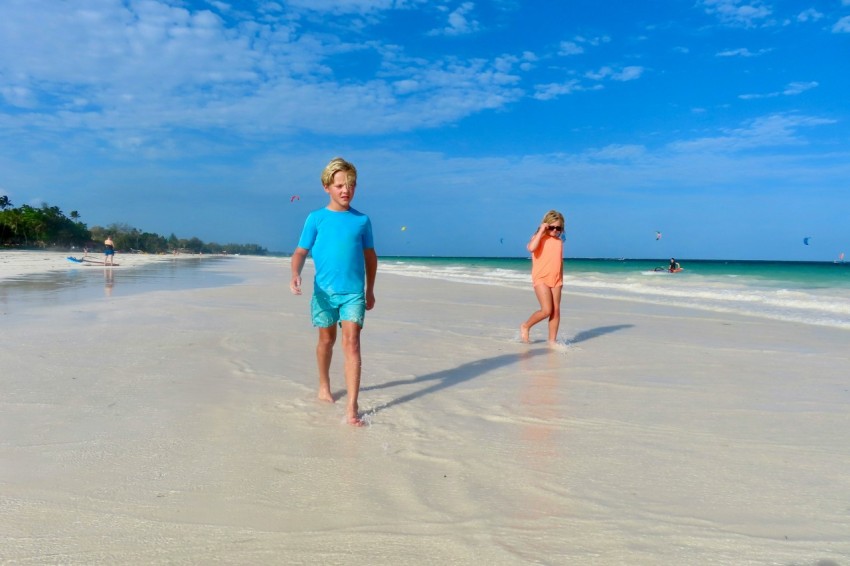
(337, 241)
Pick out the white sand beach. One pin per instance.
(181, 427)
(16, 264)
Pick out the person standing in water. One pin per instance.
(674, 265)
(108, 251)
(547, 274)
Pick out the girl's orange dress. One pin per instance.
(547, 263)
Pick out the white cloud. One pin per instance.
(628, 73)
(570, 48)
(345, 6)
(769, 131)
(576, 45)
(809, 15)
(19, 96)
(594, 41)
(842, 25)
(746, 13)
(791, 89)
(617, 152)
(527, 61)
(601, 74)
(406, 86)
(751, 96)
(741, 52)
(554, 90)
(132, 67)
(459, 22)
(799, 87)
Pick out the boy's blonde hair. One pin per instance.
(336, 165)
(552, 216)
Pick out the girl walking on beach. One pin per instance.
(547, 274)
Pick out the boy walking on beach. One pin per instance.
(340, 239)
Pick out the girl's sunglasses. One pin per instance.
(558, 228)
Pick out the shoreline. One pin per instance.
(21, 263)
(48, 280)
(811, 296)
(655, 435)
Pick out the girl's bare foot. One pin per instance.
(326, 396)
(523, 333)
(353, 411)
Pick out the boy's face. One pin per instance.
(341, 194)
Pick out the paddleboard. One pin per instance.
(86, 261)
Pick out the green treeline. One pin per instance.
(48, 227)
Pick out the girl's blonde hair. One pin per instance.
(552, 216)
(336, 165)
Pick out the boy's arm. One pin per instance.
(371, 259)
(299, 256)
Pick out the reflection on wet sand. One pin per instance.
(109, 281)
(540, 414)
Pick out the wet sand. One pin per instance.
(181, 426)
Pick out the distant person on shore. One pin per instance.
(340, 239)
(108, 251)
(547, 274)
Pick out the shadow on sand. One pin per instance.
(446, 378)
(597, 332)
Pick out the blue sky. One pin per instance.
(721, 123)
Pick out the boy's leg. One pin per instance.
(324, 353)
(555, 317)
(351, 349)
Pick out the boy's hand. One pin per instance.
(295, 285)
(370, 301)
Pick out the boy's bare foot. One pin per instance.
(523, 333)
(356, 421)
(326, 396)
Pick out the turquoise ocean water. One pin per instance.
(816, 293)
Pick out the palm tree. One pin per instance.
(5, 202)
(74, 215)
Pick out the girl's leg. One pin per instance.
(544, 297)
(324, 353)
(351, 349)
(555, 317)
